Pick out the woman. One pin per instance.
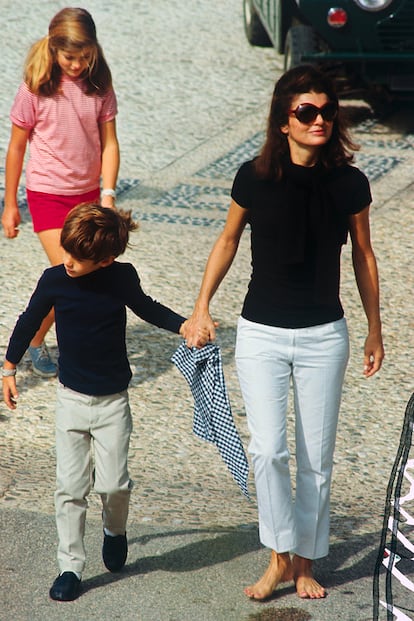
(300, 197)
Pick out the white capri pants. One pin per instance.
(92, 442)
(315, 359)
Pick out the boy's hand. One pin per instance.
(10, 394)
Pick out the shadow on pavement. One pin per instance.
(341, 567)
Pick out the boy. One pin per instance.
(89, 292)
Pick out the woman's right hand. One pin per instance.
(10, 220)
(199, 329)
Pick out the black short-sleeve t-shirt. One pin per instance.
(287, 289)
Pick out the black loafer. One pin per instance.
(114, 552)
(66, 587)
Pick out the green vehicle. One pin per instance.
(369, 44)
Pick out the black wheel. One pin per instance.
(253, 27)
(381, 104)
(300, 40)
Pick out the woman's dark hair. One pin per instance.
(302, 79)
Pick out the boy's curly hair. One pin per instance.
(93, 232)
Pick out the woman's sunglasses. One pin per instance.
(306, 113)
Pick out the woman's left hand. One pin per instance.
(373, 354)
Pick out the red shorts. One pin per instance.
(49, 211)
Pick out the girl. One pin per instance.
(301, 198)
(65, 109)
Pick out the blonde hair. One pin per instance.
(71, 30)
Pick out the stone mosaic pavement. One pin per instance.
(193, 103)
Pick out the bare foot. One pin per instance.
(306, 585)
(279, 570)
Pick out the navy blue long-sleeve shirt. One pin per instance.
(90, 315)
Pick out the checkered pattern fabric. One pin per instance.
(213, 420)
(396, 547)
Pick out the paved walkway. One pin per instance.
(193, 104)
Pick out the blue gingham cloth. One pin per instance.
(213, 420)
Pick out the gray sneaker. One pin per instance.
(42, 364)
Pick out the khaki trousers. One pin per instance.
(92, 442)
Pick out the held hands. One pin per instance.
(10, 394)
(373, 354)
(199, 329)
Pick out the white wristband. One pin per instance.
(8, 372)
(109, 192)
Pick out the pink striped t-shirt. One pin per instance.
(65, 146)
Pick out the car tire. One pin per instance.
(381, 104)
(300, 40)
(253, 27)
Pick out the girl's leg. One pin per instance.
(264, 369)
(46, 324)
(320, 359)
(50, 241)
(42, 363)
(57, 208)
